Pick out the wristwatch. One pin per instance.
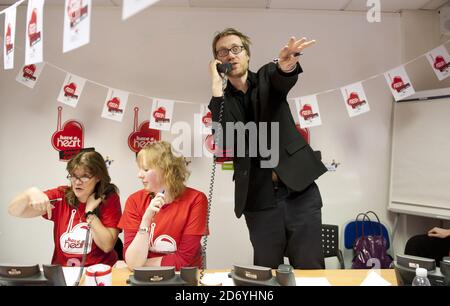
(143, 229)
(91, 212)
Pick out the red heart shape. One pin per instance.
(306, 110)
(397, 83)
(143, 136)
(70, 89)
(303, 132)
(160, 113)
(70, 137)
(207, 119)
(28, 71)
(114, 103)
(439, 62)
(353, 99)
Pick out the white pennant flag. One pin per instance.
(161, 115)
(206, 118)
(115, 104)
(77, 24)
(131, 7)
(308, 111)
(355, 99)
(9, 37)
(29, 74)
(34, 35)
(399, 83)
(71, 90)
(440, 61)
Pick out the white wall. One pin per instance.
(165, 53)
(420, 33)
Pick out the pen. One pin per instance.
(55, 200)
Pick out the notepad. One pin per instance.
(374, 279)
(312, 281)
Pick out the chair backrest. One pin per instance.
(370, 228)
(330, 240)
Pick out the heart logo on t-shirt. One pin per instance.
(72, 241)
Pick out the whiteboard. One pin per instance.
(420, 157)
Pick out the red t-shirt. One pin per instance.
(70, 226)
(179, 222)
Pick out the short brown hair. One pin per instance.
(93, 163)
(231, 31)
(159, 154)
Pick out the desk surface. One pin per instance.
(335, 277)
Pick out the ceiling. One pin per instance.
(333, 5)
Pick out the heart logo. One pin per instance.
(33, 35)
(70, 89)
(8, 44)
(28, 72)
(397, 84)
(303, 132)
(114, 105)
(210, 145)
(159, 114)
(73, 240)
(76, 12)
(207, 119)
(70, 137)
(306, 111)
(354, 101)
(143, 136)
(221, 156)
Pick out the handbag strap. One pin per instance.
(356, 224)
(378, 219)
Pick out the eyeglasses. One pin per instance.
(235, 50)
(83, 179)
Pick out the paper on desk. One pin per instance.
(71, 274)
(217, 279)
(312, 281)
(374, 279)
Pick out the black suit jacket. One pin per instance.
(298, 166)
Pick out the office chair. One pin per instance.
(370, 228)
(330, 243)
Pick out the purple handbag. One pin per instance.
(370, 250)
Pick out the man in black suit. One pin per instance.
(277, 193)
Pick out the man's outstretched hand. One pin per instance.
(290, 53)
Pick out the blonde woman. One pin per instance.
(164, 222)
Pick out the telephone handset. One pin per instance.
(262, 276)
(224, 68)
(164, 276)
